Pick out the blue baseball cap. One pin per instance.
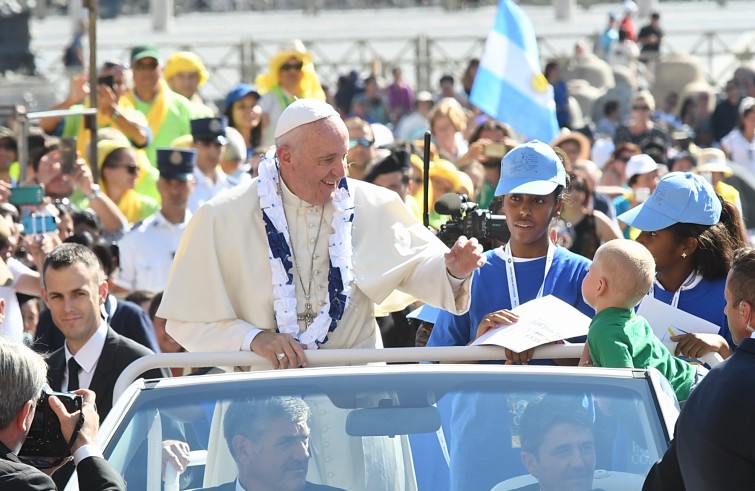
(531, 168)
(239, 92)
(681, 197)
(425, 313)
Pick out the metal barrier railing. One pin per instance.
(339, 357)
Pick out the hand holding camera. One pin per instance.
(68, 421)
(477, 149)
(107, 101)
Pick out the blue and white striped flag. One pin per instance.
(509, 85)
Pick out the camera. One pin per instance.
(45, 443)
(468, 220)
(106, 80)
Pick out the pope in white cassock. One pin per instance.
(297, 258)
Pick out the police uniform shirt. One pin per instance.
(205, 189)
(147, 251)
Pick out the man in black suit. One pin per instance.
(22, 376)
(126, 318)
(269, 440)
(558, 446)
(713, 447)
(93, 355)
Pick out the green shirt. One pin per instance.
(176, 123)
(620, 338)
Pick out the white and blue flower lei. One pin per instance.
(279, 252)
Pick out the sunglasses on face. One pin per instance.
(640, 108)
(295, 66)
(147, 65)
(362, 142)
(131, 168)
(8, 146)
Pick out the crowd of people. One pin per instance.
(185, 191)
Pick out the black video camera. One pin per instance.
(45, 445)
(470, 221)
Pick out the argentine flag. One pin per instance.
(509, 85)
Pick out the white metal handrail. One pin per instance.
(338, 357)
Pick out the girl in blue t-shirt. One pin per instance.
(692, 234)
(533, 181)
(481, 430)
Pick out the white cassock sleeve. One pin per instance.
(393, 251)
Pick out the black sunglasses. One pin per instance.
(296, 66)
(131, 168)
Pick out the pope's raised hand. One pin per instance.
(464, 257)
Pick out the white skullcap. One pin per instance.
(303, 111)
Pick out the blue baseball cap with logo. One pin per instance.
(531, 168)
(681, 197)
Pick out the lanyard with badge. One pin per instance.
(505, 254)
(516, 402)
(692, 280)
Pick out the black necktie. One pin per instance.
(73, 374)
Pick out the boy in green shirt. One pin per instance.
(620, 276)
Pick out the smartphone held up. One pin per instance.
(68, 155)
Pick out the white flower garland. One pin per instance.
(339, 248)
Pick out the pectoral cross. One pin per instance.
(308, 316)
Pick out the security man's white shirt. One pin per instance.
(205, 189)
(147, 251)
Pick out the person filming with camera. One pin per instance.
(23, 375)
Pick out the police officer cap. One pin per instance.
(176, 163)
(211, 130)
(397, 161)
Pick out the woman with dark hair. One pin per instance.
(693, 242)
(488, 143)
(588, 228)
(242, 108)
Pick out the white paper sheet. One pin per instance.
(668, 321)
(542, 320)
